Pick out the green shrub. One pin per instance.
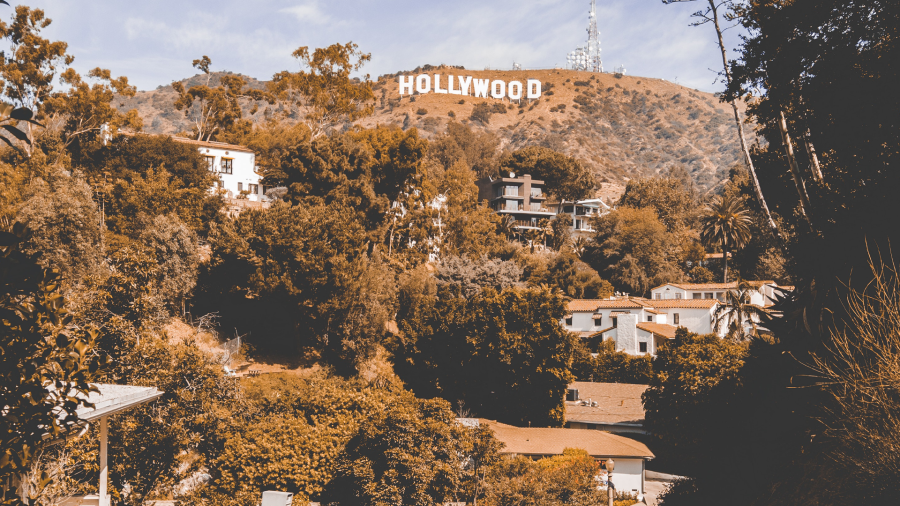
(422, 111)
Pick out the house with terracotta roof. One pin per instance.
(639, 326)
(630, 456)
(234, 167)
(762, 294)
(613, 407)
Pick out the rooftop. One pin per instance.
(617, 403)
(212, 144)
(659, 329)
(713, 286)
(551, 441)
(685, 303)
(583, 305)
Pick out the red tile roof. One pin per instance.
(616, 403)
(213, 144)
(584, 305)
(713, 286)
(659, 329)
(685, 303)
(551, 441)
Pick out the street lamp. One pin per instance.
(610, 489)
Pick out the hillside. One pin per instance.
(620, 126)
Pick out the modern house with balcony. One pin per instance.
(581, 212)
(235, 167)
(520, 197)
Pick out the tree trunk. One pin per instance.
(813, 159)
(725, 258)
(795, 169)
(737, 119)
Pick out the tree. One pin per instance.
(696, 376)
(86, 110)
(561, 232)
(564, 177)
(601, 362)
(727, 223)
(503, 354)
(215, 109)
(633, 250)
(177, 253)
(563, 479)
(28, 70)
(667, 196)
(45, 368)
(477, 149)
(467, 277)
(65, 226)
(711, 15)
(326, 94)
(410, 454)
(738, 311)
(573, 277)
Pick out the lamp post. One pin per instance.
(610, 489)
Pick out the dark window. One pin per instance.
(254, 189)
(642, 347)
(598, 319)
(210, 163)
(569, 322)
(227, 165)
(675, 318)
(615, 321)
(708, 296)
(649, 318)
(240, 187)
(572, 394)
(678, 296)
(698, 296)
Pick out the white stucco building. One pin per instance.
(636, 325)
(762, 294)
(235, 167)
(581, 212)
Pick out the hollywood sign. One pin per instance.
(460, 85)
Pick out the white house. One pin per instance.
(234, 165)
(630, 456)
(581, 213)
(639, 326)
(762, 294)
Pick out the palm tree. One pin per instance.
(737, 310)
(727, 222)
(579, 246)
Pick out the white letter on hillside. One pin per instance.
(534, 88)
(450, 89)
(423, 83)
(481, 87)
(515, 95)
(464, 83)
(406, 86)
(502, 92)
(437, 84)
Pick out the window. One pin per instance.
(210, 163)
(227, 166)
(511, 191)
(220, 183)
(240, 187)
(720, 296)
(708, 295)
(649, 318)
(678, 296)
(615, 321)
(569, 321)
(512, 205)
(698, 296)
(642, 347)
(254, 188)
(567, 209)
(598, 320)
(536, 192)
(675, 318)
(659, 296)
(535, 206)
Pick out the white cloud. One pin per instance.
(308, 12)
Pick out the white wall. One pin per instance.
(583, 321)
(243, 171)
(626, 334)
(628, 475)
(698, 320)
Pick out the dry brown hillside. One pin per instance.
(620, 126)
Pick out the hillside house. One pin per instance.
(636, 325)
(521, 197)
(581, 212)
(235, 167)
(762, 294)
(630, 456)
(613, 407)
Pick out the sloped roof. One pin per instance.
(115, 398)
(212, 144)
(617, 403)
(659, 329)
(584, 305)
(713, 286)
(552, 441)
(685, 303)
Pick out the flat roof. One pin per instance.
(112, 399)
(617, 403)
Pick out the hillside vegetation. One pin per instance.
(621, 127)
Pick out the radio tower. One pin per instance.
(594, 63)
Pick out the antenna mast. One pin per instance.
(595, 64)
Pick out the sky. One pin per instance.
(153, 43)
